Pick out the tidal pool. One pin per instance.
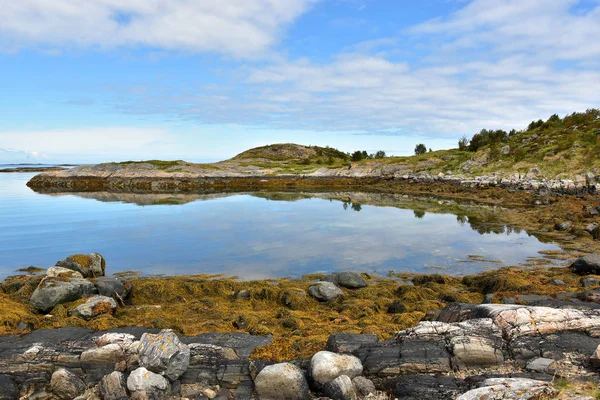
(255, 235)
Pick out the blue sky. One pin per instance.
(204, 80)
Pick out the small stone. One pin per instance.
(113, 386)
(541, 364)
(325, 291)
(587, 265)
(282, 381)
(562, 226)
(95, 306)
(557, 282)
(240, 322)
(340, 388)
(164, 353)
(347, 279)
(595, 358)
(364, 387)
(589, 282)
(142, 382)
(116, 288)
(325, 366)
(243, 294)
(66, 384)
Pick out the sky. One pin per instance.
(203, 80)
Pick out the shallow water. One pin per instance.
(254, 235)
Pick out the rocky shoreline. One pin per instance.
(528, 346)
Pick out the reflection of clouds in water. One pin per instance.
(249, 237)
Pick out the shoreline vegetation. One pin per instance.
(535, 327)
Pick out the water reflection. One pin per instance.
(256, 235)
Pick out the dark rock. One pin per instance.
(66, 385)
(396, 307)
(113, 287)
(240, 322)
(23, 326)
(8, 389)
(562, 226)
(349, 342)
(430, 387)
(53, 291)
(347, 279)
(587, 265)
(325, 291)
(89, 265)
(589, 282)
(164, 353)
(113, 386)
(340, 388)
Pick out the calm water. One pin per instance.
(251, 236)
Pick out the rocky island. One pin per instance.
(532, 331)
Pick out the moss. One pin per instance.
(83, 260)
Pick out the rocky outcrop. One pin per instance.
(54, 291)
(164, 353)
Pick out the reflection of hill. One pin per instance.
(481, 218)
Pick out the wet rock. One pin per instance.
(562, 226)
(282, 381)
(325, 366)
(340, 388)
(164, 353)
(8, 389)
(54, 291)
(144, 384)
(396, 307)
(66, 385)
(342, 342)
(325, 291)
(113, 387)
(113, 287)
(363, 386)
(95, 306)
(89, 265)
(510, 388)
(588, 282)
(347, 279)
(56, 272)
(588, 265)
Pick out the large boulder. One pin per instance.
(587, 265)
(66, 385)
(94, 307)
(54, 291)
(164, 354)
(325, 366)
(113, 287)
(282, 381)
(347, 279)
(325, 291)
(144, 384)
(89, 265)
(113, 386)
(510, 388)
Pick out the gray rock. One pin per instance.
(243, 294)
(473, 351)
(144, 384)
(113, 386)
(325, 366)
(66, 385)
(113, 287)
(164, 353)
(587, 265)
(56, 272)
(343, 342)
(563, 226)
(54, 291)
(347, 279)
(89, 265)
(363, 386)
(396, 307)
(540, 364)
(95, 306)
(505, 150)
(510, 388)
(590, 178)
(340, 388)
(557, 282)
(8, 389)
(325, 291)
(589, 282)
(591, 228)
(282, 381)
(595, 358)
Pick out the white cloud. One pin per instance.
(243, 28)
(15, 156)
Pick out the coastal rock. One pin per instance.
(325, 366)
(340, 388)
(89, 265)
(474, 351)
(595, 358)
(66, 385)
(587, 265)
(113, 287)
(510, 388)
(364, 387)
(562, 226)
(540, 364)
(589, 282)
(56, 272)
(325, 291)
(94, 307)
(164, 353)
(347, 279)
(343, 342)
(8, 389)
(144, 384)
(54, 291)
(113, 386)
(282, 381)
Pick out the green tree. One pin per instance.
(420, 149)
(380, 154)
(463, 143)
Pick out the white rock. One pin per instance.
(282, 381)
(325, 366)
(142, 380)
(509, 388)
